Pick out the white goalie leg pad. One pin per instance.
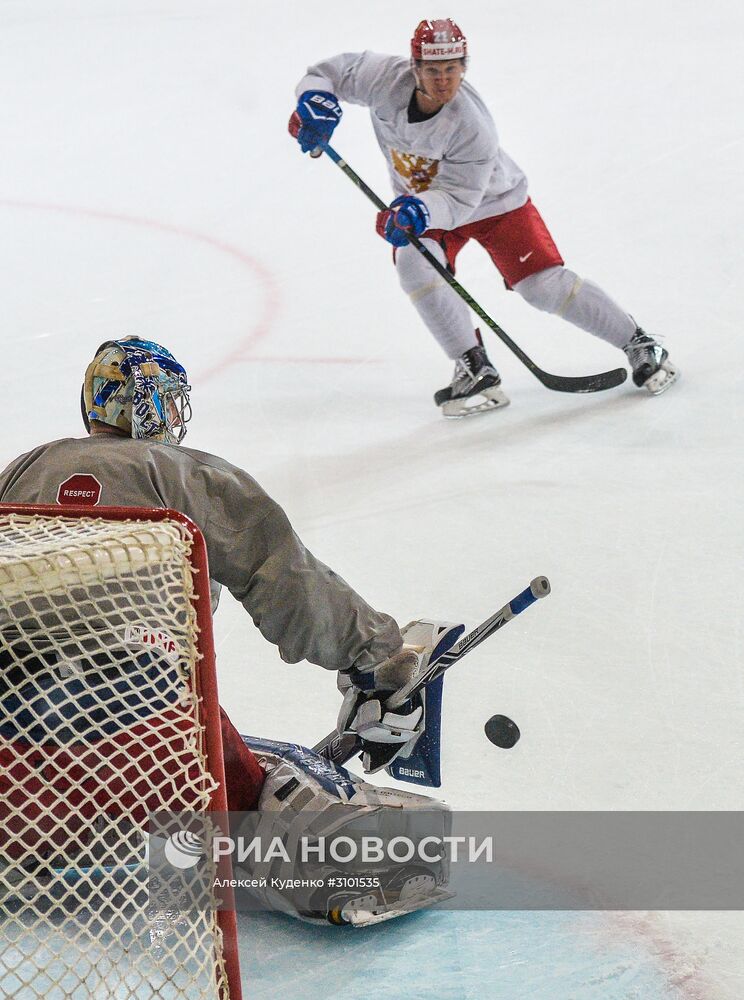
(306, 799)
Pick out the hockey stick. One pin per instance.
(560, 383)
(341, 747)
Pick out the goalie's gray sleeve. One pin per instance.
(452, 161)
(296, 601)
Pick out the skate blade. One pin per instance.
(493, 398)
(661, 380)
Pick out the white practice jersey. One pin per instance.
(452, 161)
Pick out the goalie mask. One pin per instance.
(139, 387)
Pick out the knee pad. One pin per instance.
(552, 290)
(307, 800)
(416, 277)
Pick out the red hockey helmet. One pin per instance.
(438, 40)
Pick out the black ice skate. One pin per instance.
(651, 366)
(475, 386)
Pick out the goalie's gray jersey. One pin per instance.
(453, 161)
(296, 601)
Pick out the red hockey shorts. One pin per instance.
(517, 242)
(46, 791)
(244, 776)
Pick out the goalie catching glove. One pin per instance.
(370, 708)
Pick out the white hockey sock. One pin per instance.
(442, 310)
(562, 292)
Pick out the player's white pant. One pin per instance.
(555, 290)
(442, 310)
(562, 292)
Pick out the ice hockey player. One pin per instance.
(454, 182)
(135, 405)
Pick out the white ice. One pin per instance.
(147, 185)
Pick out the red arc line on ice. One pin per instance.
(271, 297)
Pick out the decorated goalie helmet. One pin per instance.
(438, 40)
(139, 387)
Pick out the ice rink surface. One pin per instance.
(147, 185)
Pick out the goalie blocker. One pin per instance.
(393, 712)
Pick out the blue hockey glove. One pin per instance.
(406, 216)
(316, 116)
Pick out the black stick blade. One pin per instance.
(581, 383)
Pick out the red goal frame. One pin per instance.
(206, 684)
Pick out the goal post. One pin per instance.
(108, 712)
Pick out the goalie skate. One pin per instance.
(475, 386)
(417, 892)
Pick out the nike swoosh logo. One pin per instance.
(523, 259)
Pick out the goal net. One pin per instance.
(108, 712)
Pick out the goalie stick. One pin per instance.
(559, 383)
(341, 747)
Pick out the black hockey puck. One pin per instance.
(502, 731)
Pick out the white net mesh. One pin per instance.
(101, 723)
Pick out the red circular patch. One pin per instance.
(81, 489)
